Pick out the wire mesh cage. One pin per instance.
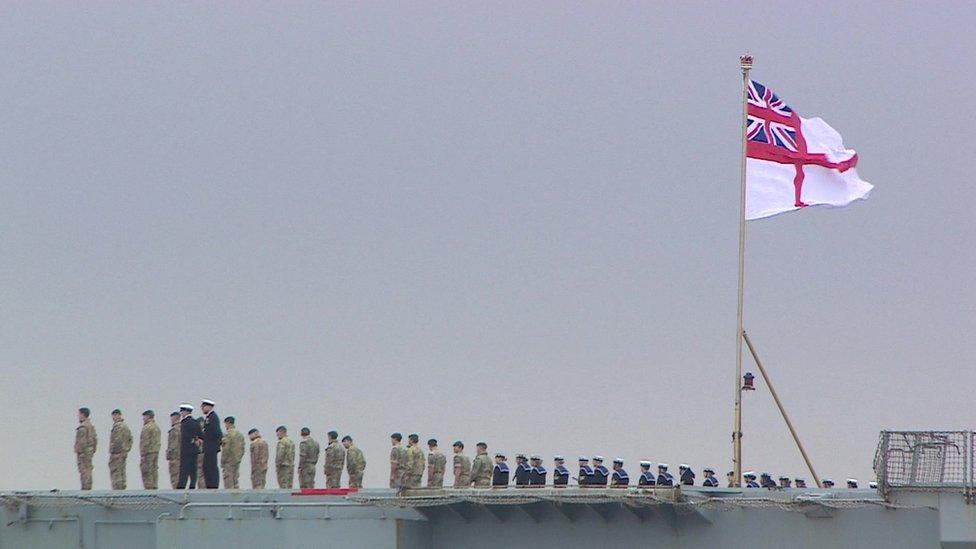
(925, 460)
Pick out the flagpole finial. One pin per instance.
(745, 61)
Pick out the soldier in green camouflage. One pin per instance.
(119, 445)
(335, 458)
(481, 467)
(231, 454)
(149, 444)
(86, 441)
(436, 463)
(415, 461)
(173, 449)
(259, 460)
(355, 462)
(398, 462)
(308, 458)
(285, 459)
(462, 466)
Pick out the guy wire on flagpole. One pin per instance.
(745, 63)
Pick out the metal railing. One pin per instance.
(925, 461)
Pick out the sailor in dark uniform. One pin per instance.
(600, 473)
(784, 482)
(827, 483)
(499, 474)
(800, 483)
(619, 478)
(585, 471)
(766, 481)
(522, 470)
(685, 475)
(664, 478)
(647, 478)
(710, 480)
(212, 435)
(873, 485)
(190, 435)
(751, 480)
(537, 475)
(560, 474)
(852, 484)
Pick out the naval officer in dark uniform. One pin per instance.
(647, 477)
(664, 478)
(190, 435)
(710, 480)
(560, 474)
(212, 435)
(585, 471)
(600, 473)
(499, 473)
(522, 470)
(537, 476)
(619, 478)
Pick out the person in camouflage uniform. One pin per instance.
(231, 454)
(259, 460)
(415, 461)
(149, 444)
(436, 464)
(335, 458)
(308, 458)
(173, 449)
(462, 466)
(481, 467)
(285, 459)
(398, 462)
(201, 483)
(119, 445)
(355, 462)
(86, 442)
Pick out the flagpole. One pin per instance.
(745, 63)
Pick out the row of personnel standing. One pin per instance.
(192, 449)
(407, 469)
(194, 443)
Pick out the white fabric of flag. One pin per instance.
(794, 162)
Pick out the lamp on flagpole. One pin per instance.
(745, 63)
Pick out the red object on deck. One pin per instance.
(325, 491)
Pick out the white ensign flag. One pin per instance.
(794, 162)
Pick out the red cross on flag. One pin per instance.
(794, 162)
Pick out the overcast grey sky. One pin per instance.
(514, 222)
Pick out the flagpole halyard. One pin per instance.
(745, 63)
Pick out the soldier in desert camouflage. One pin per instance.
(231, 454)
(173, 449)
(119, 445)
(149, 444)
(335, 458)
(285, 459)
(259, 460)
(355, 462)
(86, 441)
(462, 466)
(201, 483)
(436, 463)
(481, 467)
(308, 458)
(398, 462)
(415, 461)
